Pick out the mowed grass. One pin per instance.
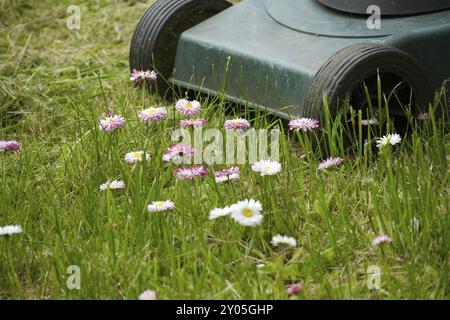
(54, 85)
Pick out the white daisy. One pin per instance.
(148, 295)
(136, 156)
(266, 167)
(283, 240)
(219, 212)
(247, 212)
(115, 184)
(371, 121)
(232, 176)
(414, 224)
(423, 116)
(9, 230)
(158, 206)
(392, 139)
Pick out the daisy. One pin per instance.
(157, 206)
(279, 240)
(9, 230)
(177, 152)
(423, 116)
(305, 124)
(115, 184)
(238, 123)
(191, 173)
(266, 167)
(227, 174)
(392, 139)
(152, 114)
(135, 75)
(371, 121)
(148, 295)
(10, 145)
(414, 224)
(330, 162)
(219, 212)
(111, 122)
(138, 76)
(188, 108)
(247, 212)
(294, 288)
(152, 75)
(192, 123)
(381, 239)
(232, 176)
(136, 156)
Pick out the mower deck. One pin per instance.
(271, 64)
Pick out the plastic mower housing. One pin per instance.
(282, 55)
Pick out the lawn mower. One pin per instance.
(283, 55)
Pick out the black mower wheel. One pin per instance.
(346, 73)
(155, 39)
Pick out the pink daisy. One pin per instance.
(152, 114)
(192, 123)
(139, 76)
(9, 145)
(381, 239)
(176, 152)
(111, 122)
(238, 123)
(330, 162)
(227, 174)
(305, 124)
(191, 172)
(188, 108)
(294, 288)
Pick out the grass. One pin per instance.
(54, 85)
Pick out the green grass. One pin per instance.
(51, 100)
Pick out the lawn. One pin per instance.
(55, 84)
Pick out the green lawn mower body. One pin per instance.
(273, 54)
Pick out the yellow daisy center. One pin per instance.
(247, 212)
(189, 106)
(266, 168)
(159, 204)
(151, 111)
(137, 155)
